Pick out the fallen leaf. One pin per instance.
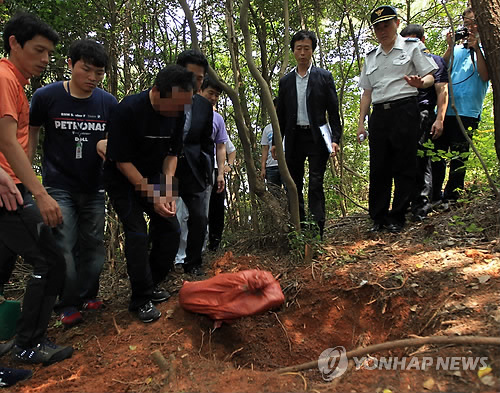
(483, 371)
(387, 391)
(496, 315)
(132, 347)
(419, 265)
(488, 380)
(429, 384)
(149, 380)
(484, 278)
(414, 308)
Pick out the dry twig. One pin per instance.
(436, 313)
(286, 334)
(228, 357)
(118, 330)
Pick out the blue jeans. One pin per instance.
(80, 237)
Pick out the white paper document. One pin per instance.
(326, 133)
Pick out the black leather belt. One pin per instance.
(394, 104)
(302, 128)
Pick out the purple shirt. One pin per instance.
(219, 133)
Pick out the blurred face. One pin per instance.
(199, 74)
(302, 50)
(171, 106)
(211, 95)
(31, 59)
(386, 31)
(85, 76)
(470, 23)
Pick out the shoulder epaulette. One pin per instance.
(412, 39)
(371, 51)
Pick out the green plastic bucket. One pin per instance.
(10, 310)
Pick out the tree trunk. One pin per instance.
(268, 102)
(487, 14)
(286, 43)
(256, 185)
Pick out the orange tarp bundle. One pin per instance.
(229, 296)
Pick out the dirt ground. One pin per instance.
(438, 277)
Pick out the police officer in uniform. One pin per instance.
(392, 74)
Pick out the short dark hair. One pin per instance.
(25, 26)
(304, 35)
(468, 10)
(174, 75)
(210, 82)
(413, 29)
(90, 51)
(192, 56)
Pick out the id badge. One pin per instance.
(78, 153)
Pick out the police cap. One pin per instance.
(383, 13)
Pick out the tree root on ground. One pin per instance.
(468, 340)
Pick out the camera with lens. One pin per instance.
(461, 33)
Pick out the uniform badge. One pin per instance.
(426, 52)
(379, 12)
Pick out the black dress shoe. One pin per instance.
(394, 228)
(376, 228)
(195, 270)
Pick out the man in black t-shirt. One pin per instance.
(74, 116)
(144, 140)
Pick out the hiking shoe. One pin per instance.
(148, 313)
(71, 317)
(6, 347)
(159, 295)
(46, 353)
(93, 304)
(11, 376)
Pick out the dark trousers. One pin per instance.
(215, 218)
(393, 150)
(7, 264)
(146, 266)
(23, 232)
(197, 226)
(452, 139)
(273, 175)
(304, 147)
(423, 185)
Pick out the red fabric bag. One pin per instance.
(229, 296)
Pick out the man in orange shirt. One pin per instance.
(29, 43)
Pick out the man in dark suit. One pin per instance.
(305, 96)
(195, 164)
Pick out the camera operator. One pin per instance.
(469, 78)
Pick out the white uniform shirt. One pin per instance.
(383, 73)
